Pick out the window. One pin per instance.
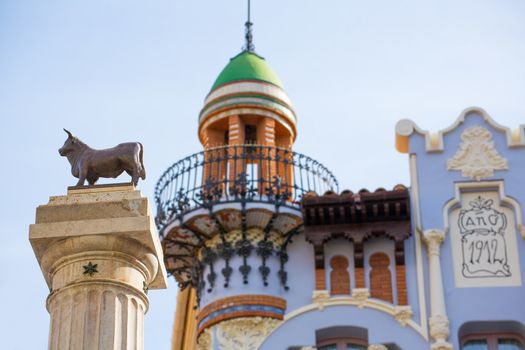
(355, 347)
(250, 135)
(493, 342)
(509, 344)
(475, 345)
(328, 347)
(341, 338)
(343, 344)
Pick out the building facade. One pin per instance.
(270, 254)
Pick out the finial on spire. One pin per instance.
(249, 37)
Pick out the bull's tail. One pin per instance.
(141, 157)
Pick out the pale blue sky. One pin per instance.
(126, 70)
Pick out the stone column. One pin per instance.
(439, 325)
(100, 253)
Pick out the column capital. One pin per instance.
(88, 224)
(433, 238)
(439, 327)
(439, 330)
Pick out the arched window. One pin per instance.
(380, 277)
(342, 338)
(339, 276)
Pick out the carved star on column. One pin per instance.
(90, 269)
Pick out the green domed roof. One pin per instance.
(247, 66)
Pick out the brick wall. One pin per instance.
(339, 276)
(401, 285)
(380, 277)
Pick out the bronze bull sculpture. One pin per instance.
(90, 164)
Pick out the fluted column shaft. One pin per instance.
(96, 317)
(98, 299)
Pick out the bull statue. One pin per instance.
(90, 164)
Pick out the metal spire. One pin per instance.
(249, 37)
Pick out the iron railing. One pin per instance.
(238, 173)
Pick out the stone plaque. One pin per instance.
(484, 244)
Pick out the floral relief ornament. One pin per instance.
(320, 297)
(377, 347)
(439, 330)
(477, 156)
(403, 314)
(245, 333)
(360, 295)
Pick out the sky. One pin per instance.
(130, 70)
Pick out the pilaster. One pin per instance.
(236, 130)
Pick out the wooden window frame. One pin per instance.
(492, 339)
(342, 342)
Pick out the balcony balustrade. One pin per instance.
(238, 173)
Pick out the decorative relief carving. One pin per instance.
(90, 269)
(320, 297)
(360, 295)
(377, 347)
(439, 328)
(477, 156)
(403, 314)
(204, 342)
(245, 333)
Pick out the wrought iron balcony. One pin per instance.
(238, 173)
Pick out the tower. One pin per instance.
(227, 214)
(247, 118)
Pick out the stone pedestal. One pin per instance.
(100, 254)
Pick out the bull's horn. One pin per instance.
(69, 133)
